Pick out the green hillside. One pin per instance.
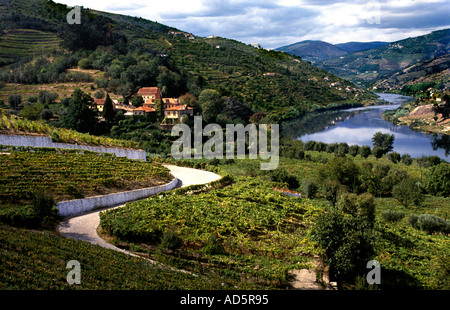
(375, 64)
(272, 82)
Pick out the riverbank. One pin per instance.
(418, 116)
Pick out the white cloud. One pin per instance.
(274, 23)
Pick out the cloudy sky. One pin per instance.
(274, 23)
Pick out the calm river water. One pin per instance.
(357, 126)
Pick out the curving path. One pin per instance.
(84, 227)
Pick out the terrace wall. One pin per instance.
(39, 141)
(78, 206)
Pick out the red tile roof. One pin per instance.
(150, 91)
(99, 101)
(179, 108)
(145, 109)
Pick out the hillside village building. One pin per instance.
(173, 109)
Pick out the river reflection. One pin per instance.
(357, 126)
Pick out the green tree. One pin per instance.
(341, 169)
(378, 152)
(364, 151)
(212, 104)
(32, 111)
(159, 108)
(332, 190)
(309, 188)
(407, 192)
(347, 241)
(437, 180)
(81, 114)
(383, 141)
(108, 109)
(14, 101)
(443, 108)
(138, 101)
(394, 157)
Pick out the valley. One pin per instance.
(351, 185)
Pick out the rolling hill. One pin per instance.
(313, 50)
(317, 51)
(352, 47)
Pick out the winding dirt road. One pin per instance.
(84, 227)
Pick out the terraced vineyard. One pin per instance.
(70, 174)
(26, 42)
(33, 260)
(246, 230)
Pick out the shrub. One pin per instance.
(213, 246)
(433, 160)
(331, 148)
(171, 241)
(407, 192)
(341, 169)
(362, 206)
(332, 189)
(378, 152)
(364, 151)
(406, 159)
(310, 145)
(342, 149)
(394, 157)
(429, 223)
(392, 216)
(44, 204)
(282, 176)
(353, 150)
(309, 188)
(437, 181)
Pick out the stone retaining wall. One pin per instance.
(78, 206)
(39, 141)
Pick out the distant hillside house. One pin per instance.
(143, 110)
(173, 109)
(150, 94)
(100, 104)
(177, 112)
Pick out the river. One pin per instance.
(358, 125)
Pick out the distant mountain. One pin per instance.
(317, 51)
(352, 47)
(377, 64)
(313, 50)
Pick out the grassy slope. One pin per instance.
(33, 260)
